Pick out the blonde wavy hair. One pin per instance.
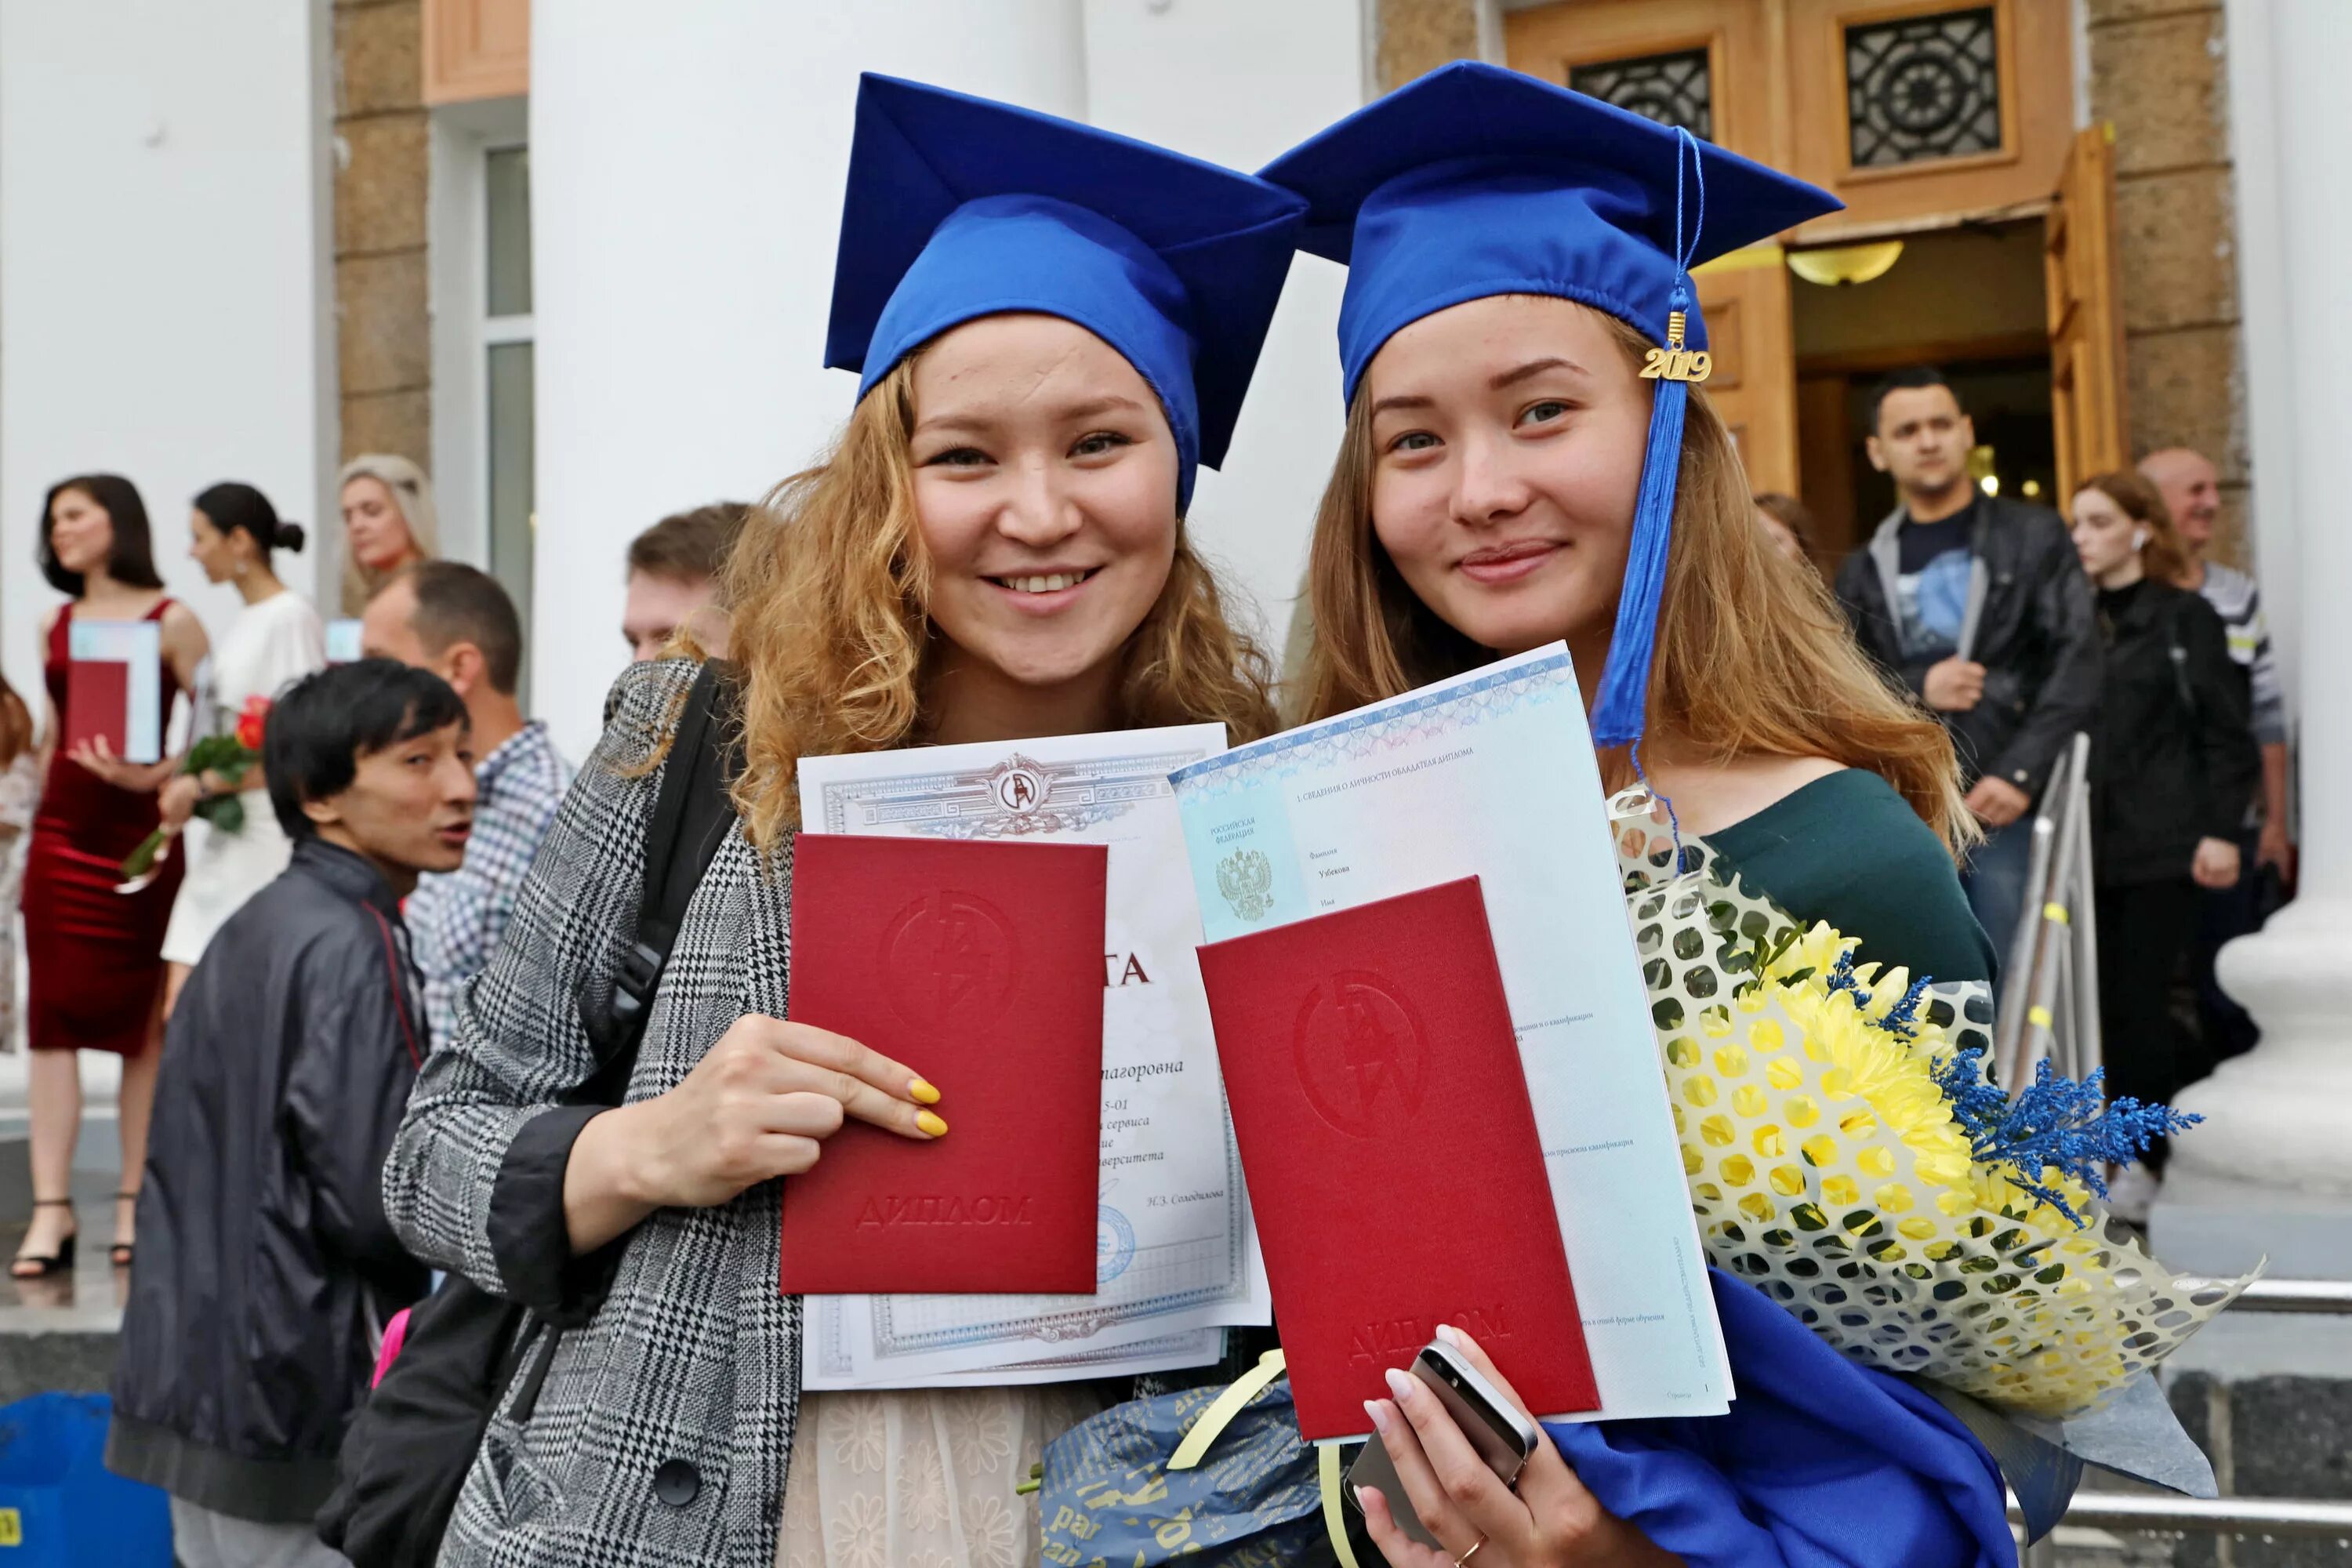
(412, 492)
(1753, 657)
(828, 594)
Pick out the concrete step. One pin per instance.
(58, 1333)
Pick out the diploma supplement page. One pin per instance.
(1492, 774)
(1176, 1259)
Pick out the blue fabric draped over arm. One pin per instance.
(1822, 1463)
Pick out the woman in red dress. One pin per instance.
(97, 980)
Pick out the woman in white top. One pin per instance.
(231, 533)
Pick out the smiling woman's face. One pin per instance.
(1046, 495)
(1507, 438)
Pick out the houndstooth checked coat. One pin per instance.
(660, 1436)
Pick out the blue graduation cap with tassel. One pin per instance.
(960, 208)
(1476, 181)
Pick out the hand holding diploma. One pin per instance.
(759, 1105)
(1547, 1521)
(141, 778)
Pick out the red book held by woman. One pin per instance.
(979, 964)
(1390, 1153)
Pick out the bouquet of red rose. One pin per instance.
(225, 756)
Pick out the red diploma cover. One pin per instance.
(97, 703)
(1390, 1151)
(979, 965)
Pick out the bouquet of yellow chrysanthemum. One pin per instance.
(1848, 1155)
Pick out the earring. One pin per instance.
(238, 570)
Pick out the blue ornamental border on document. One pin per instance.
(1352, 737)
(1069, 796)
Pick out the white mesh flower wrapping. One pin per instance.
(1826, 1166)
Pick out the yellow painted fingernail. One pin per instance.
(930, 1125)
(923, 1092)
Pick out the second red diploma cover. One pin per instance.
(1390, 1153)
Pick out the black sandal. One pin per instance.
(61, 1262)
(119, 1254)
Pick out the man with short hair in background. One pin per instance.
(674, 569)
(2192, 494)
(1979, 606)
(267, 1268)
(455, 621)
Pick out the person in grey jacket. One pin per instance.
(267, 1267)
(1976, 604)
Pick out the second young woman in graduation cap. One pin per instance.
(1527, 460)
(1053, 328)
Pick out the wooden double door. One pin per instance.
(1920, 115)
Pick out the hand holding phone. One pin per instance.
(1461, 1464)
(1500, 1433)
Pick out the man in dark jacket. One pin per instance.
(265, 1266)
(1977, 605)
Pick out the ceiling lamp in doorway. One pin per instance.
(1846, 263)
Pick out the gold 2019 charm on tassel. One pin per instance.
(1675, 363)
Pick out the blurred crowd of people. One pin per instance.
(108, 955)
(2020, 628)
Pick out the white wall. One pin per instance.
(165, 270)
(686, 176)
(1238, 82)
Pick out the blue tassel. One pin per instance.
(1622, 705)
(1624, 699)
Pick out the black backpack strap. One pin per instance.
(692, 814)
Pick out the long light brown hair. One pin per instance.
(1751, 658)
(828, 592)
(2163, 557)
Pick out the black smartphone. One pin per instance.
(1502, 1435)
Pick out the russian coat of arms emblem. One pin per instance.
(1246, 877)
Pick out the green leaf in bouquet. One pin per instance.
(224, 812)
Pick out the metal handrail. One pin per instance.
(2228, 1515)
(2296, 1296)
(2049, 1002)
(2297, 1517)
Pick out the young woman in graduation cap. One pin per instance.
(1053, 328)
(1527, 459)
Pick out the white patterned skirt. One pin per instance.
(920, 1478)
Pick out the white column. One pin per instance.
(1237, 82)
(2279, 1120)
(164, 274)
(687, 168)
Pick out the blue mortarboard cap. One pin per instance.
(960, 208)
(1475, 181)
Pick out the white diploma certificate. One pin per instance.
(1176, 1257)
(1492, 774)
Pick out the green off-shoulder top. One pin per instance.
(1848, 850)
